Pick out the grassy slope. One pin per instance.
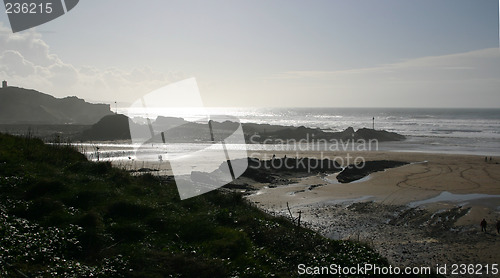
(63, 216)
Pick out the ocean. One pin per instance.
(457, 131)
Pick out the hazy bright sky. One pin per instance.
(354, 53)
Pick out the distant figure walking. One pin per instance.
(498, 226)
(483, 225)
(485, 159)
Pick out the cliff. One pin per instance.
(24, 106)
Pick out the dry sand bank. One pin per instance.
(426, 177)
(424, 213)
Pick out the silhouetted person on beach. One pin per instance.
(498, 226)
(483, 225)
(485, 159)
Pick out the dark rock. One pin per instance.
(260, 134)
(355, 172)
(164, 123)
(238, 186)
(380, 135)
(112, 127)
(143, 170)
(272, 171)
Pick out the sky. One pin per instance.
(261, 53)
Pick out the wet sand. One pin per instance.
(424, 213)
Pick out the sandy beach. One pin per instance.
(427, 176)
(424, 213)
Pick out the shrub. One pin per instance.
(195, 228)
(229, 243)
(90, 221)
(45, 187)
(123, 209)
(127, 232)
(84, 199)
(41, 208)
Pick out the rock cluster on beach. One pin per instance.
(271, 171)
(406, 236)
(356, 172)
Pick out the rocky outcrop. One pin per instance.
(361, 170)
(180, 130)
(380, 135)
(261, 135)
(112, 127)
(265, 170)
(164, 123)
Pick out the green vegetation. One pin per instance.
(63, 216)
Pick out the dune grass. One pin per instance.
(63, 216)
